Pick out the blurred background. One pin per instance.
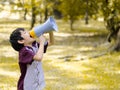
(85, 54)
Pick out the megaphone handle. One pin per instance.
(51, 37)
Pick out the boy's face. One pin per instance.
(27, 39)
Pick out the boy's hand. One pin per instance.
(42, 39)
(39, 55)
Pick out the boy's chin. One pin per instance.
(32, 39)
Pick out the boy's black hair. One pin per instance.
(14, 37)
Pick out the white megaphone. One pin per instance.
(49, 25)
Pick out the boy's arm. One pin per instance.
(39, 55)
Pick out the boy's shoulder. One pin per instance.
(26, 48)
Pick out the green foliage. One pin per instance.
(110, 10)
(70, 10)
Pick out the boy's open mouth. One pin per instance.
(31, 36)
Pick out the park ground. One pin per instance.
(79, 60)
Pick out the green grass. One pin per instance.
(70, 63)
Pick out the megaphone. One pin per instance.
(49, 25)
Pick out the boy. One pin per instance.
(30, 57)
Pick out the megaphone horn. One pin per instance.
(49, 25)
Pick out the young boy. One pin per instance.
(30, 57)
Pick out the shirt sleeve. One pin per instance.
(45, 46)
(26, 56)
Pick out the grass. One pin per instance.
(70, 63)
(95, 74)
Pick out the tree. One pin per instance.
(48, 8)
(23, 6)
(110, 11)
(86, 13)
(73, 9)
(91, 8)
(70, 10)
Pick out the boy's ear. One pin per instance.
(20, 41)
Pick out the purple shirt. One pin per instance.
(26, 55)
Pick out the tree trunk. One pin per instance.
(86, 18)
(33, 14)
(41, 18)
(117, 45)
(25, 13)
(86, 13)
(46, 13)
(33, 18)
(51, 36)
(71, 24)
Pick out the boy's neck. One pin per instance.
(30, 45)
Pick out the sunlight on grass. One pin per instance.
(7, 52)
(8, 73)
(88, 74)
